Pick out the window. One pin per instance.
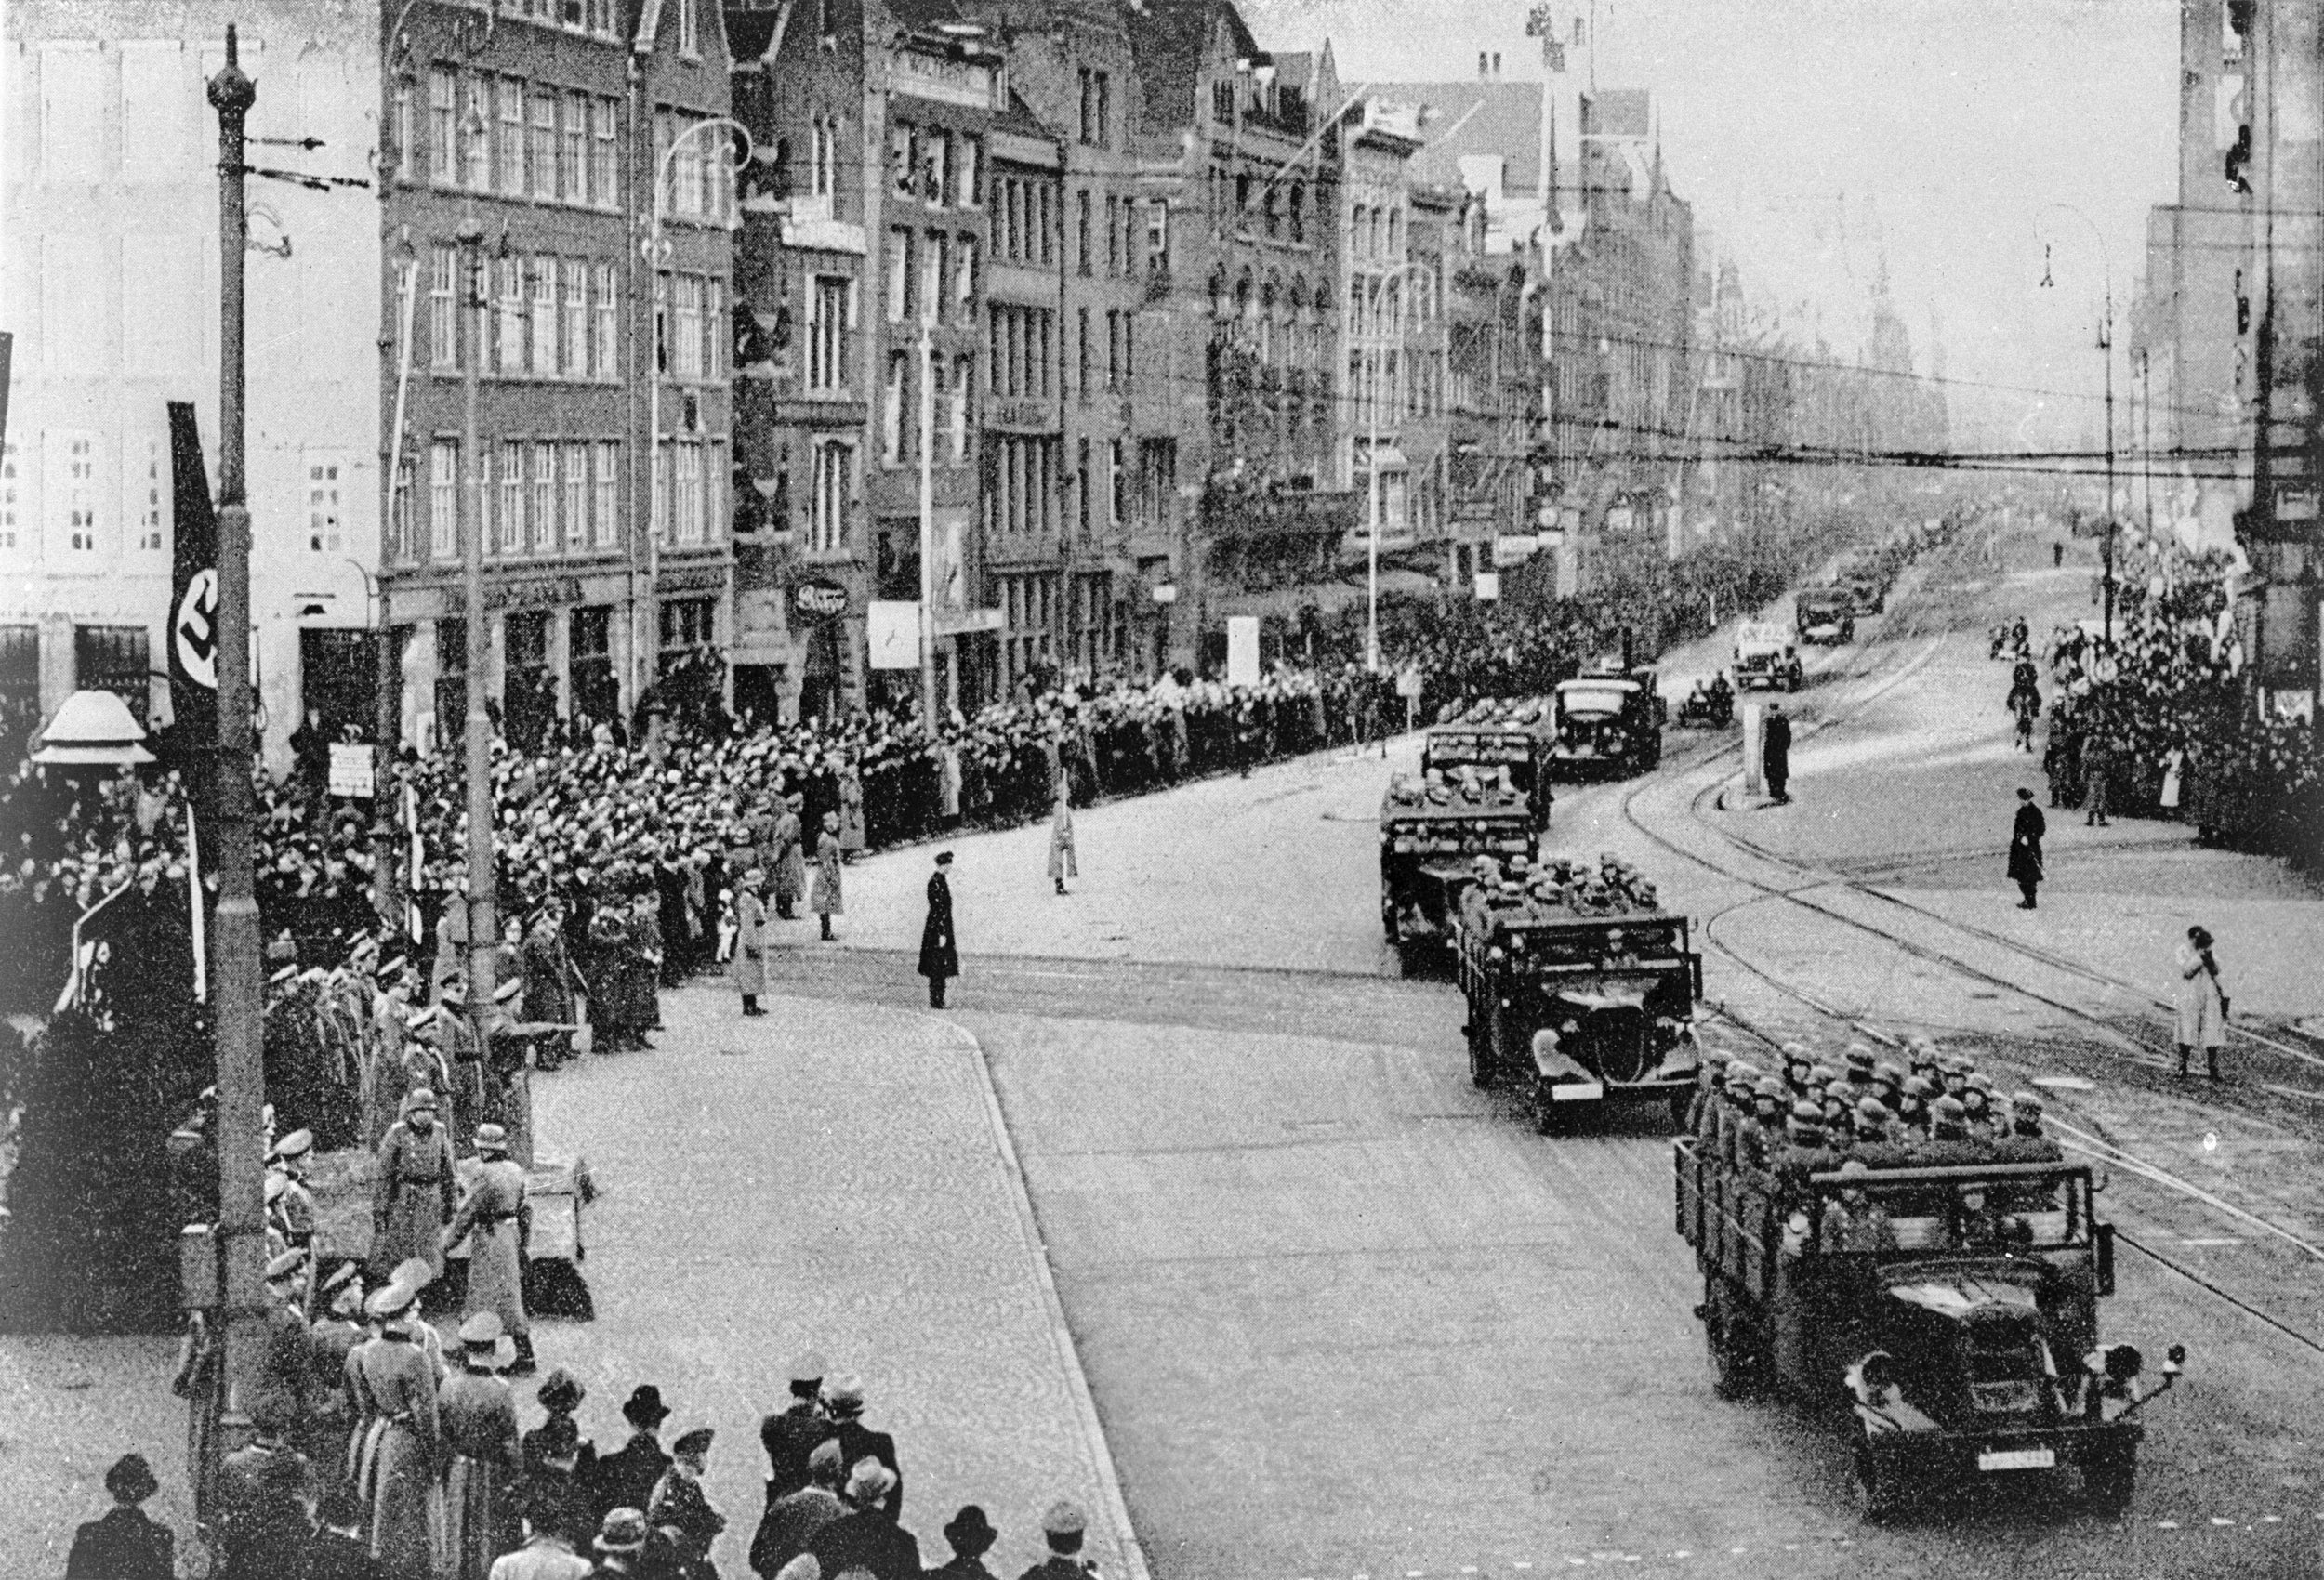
(147, 481)
(688, 623)
(444, 499)
(1113, 351)
(690, 518)
(1105, 110)
(573, 471)
(117, 659)
(932, 259)
(508, 143)
(475, 131)
(899, 275)
(956, 414)
(543, 503)
(443, 313)
(604, 346)
(964, 283)
(826, 334)
(823, 161)
(1081, 360)
(573, 150)
(969, 156)
(325, 527)
(443, 126)
(509, 329)
(604, 509)
(1082, 485)
(398, 535)
(72, 485)
(605, 153)
(541, 150)
(1044, 220)
(891, 412)
(900, 160)
(512, 499)
(718, 333)
(1116, 480)
(406, 150)
(687, 292)
(543, 361)
(1113, 234)
(827, 517)
(936, 169)
(589, 659)
(689, 28)
(1158, 236)
(12, 500)
(573, 359)
(1082, 226)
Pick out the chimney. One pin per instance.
(1482, 73)
(1497, 65)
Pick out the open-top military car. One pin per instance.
(1580, 989)
(1951, 1312)
(1823, 615)
(1764, 656)
(1479, 792)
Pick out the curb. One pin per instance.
(1115, 1508)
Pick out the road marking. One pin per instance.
(2166, 1524)
(2216, 1240)
(2221, 1520)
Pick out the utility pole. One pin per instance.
(234, 949)
(483, 923)
(928, 531)
(2105, 350)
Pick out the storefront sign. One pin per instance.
(1488, 586)
(1242, 650)
(892, 635)
(1513, 548)
(819, 599)
(1166, 593)
(352, 772)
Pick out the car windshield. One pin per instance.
(1595, 700)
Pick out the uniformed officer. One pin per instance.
(1949, 1145)
(1923, 1063)
(287, 1363)
(1912, 1107)
(1859, 1072)
(1709, 1079)
(296, 1205)
(1804, 1152)
(1797, 1063)
(1876, 1144)
(1821, 1079)
(1061, 1530)
(1735, 1106)
(1854, 1221)
(1888, 1084)
(2026, 1141)
(1955, 1070)
(1764, 1133)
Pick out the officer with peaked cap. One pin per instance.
(1063, 1528)
(285, 1363)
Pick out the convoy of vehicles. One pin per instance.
(1823, 615)
(1481, 791)
(1947, 1317)
(1764, 656)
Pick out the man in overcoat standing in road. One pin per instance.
(2025, 848)
(749, 965)
(939, 953)
(1775, 754)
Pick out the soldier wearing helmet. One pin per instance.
(1912, 1107)
(2026, 1141)
(1888, 1084)
(1764, 1133)
(1854, 1222)
(1949, 1145)
(1709, 1080)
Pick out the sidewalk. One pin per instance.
(833, 1176)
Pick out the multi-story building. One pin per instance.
(1390, 290)
(111, 266)
(1243, 153)
(585, 147)
(1491, 399)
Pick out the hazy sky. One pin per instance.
(1810, 136)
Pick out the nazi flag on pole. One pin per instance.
(192, 585)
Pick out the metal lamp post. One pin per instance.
(642, 613)
(1371, 569)
(484, 900)
(2106, 350)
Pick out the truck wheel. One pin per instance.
(1879, 1491)
(1733, 1372)
(1388, 928)
(2108, 1482)
(1549, 1115)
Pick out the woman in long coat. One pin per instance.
(395, 1386)
(748, 966)
(2201, 1000)
(1061, 862)
(827, 899)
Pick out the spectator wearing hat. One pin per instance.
(939, 952)
(559, 1396)
(393, 1384)
(621, 1543)
(1062, 1529)
(626, 1477)
(557, 1469)
(480, 1433)
(970, 1536)
(263, 1491)
(844, 1400)
(680, 1511)
(792, 1520)
(490, 1218)
(338, 1549)
(125, 1544)
(548, 1552)
(791, 1435)
(748, 966)
(867, 1536)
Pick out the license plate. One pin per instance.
(2017, 1459)
(1576, 1091)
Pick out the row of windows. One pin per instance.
(1376, 232)
(946, 274)
(899, 433)
(1023, 343)
(698, 159)
(84, 521)
(514, 137)
(1097, 109)
(1120, 351)
(540, 496)
(1024, 219)
(543, 317)
(1260, 204)
(690, 491)
(1121, 235)
(694, 335)
(1018, 498)
(941, 169)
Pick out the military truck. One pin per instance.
(1603, 970)
(1764, 656)
(1946, 1317)
(1608, 723)
(1823, 615)
(1432, 826)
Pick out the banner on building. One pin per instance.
(352, 772)
(192, 625)
(891, 634)
(1488, 587)
(1242, 650)
(1513, 548)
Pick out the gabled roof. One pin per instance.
(748, 34)
(1473, 118)
(1171, 41)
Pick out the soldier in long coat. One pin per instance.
(940, 950)
(490, 1218)
(412, 1193)
(1062, 863)
(749, 965)
(791, 858)
(394, 1387)
(827, 900)
(479, 1417)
